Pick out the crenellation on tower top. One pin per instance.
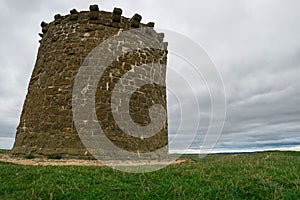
(151, 24)
(94, 7)
(117, 11)
(117, 15)
(137, 17)
(135, 21)
(44, 24)
(161, 37)
(99, 18)
(57, 16)
(45, 29)
(73, 11)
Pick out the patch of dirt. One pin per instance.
(78, 162)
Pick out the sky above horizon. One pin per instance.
(255, 46)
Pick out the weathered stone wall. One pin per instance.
(47, 126)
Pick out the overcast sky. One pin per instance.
(255, 45)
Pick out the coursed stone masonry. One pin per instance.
(47, 126)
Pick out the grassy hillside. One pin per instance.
(268, 175)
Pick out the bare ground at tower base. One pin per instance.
(42, 161)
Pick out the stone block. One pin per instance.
(137, 18)
(151, 24)
(94, 15)
(94, 8)
(117, 11)
(74, 17)
(116, 18)
(135, 24)
(73, 11)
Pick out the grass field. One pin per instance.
(267, 175)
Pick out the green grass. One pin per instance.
(267, 175)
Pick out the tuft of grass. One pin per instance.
(269, 175)
(55, 156)
(29, 156)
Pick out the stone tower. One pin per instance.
(47, 125)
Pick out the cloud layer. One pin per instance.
(254, 44)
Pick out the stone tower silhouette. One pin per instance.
(47, 125)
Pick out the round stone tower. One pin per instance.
(47, 125)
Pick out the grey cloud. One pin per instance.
(255, 45)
